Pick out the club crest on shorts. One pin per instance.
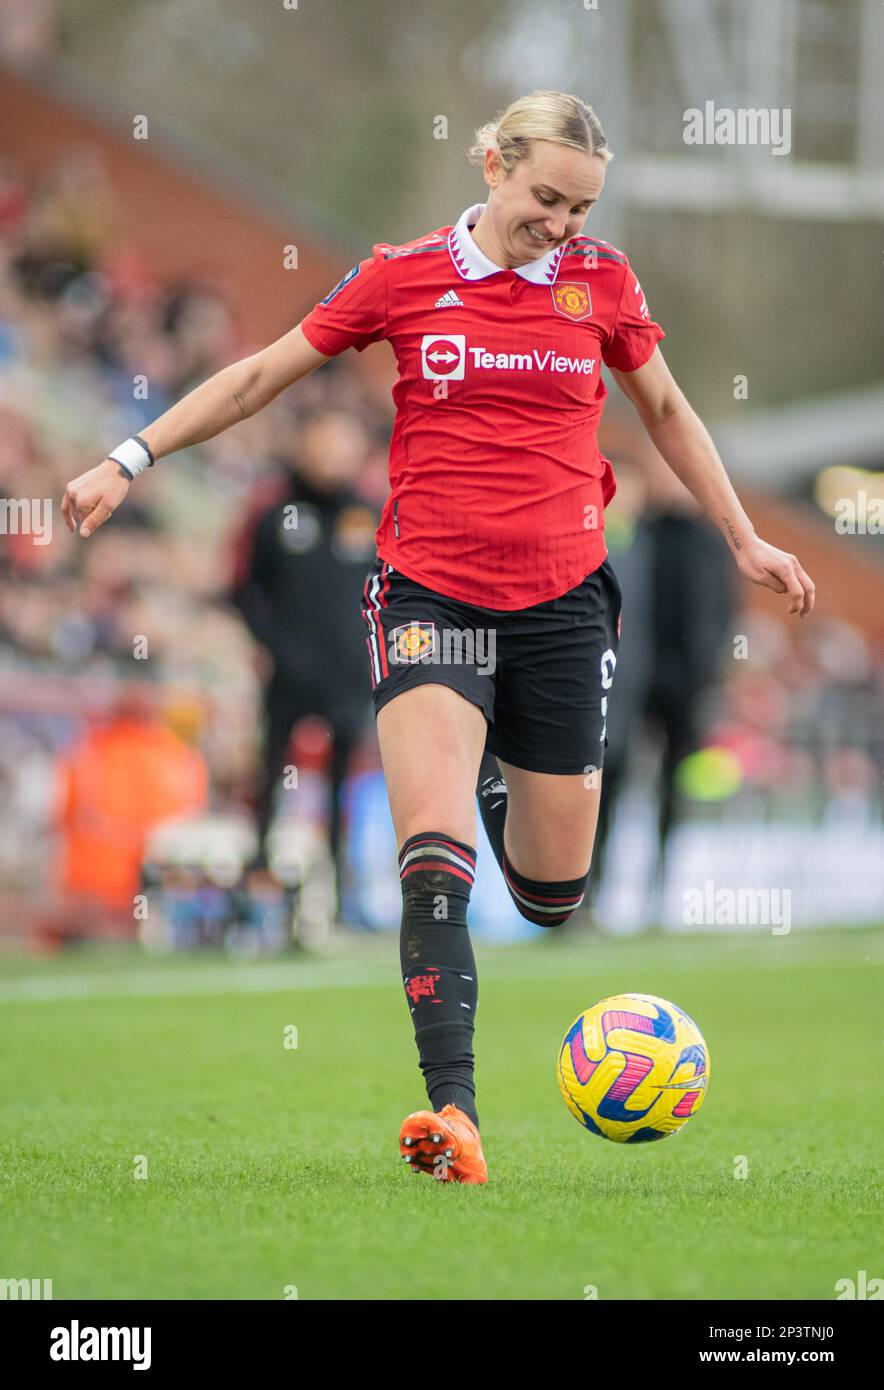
(411, 641)
(572, 300)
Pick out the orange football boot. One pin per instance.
(445, 1145)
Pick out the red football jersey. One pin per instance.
(497, 487)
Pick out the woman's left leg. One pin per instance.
(550, 822)
(550, 712)
(542, 826)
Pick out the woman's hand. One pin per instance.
(777, 570)
(90, 499)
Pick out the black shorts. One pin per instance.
(541, 675)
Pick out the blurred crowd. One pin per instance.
(92, 348)
(795, 708)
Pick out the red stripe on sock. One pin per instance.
(455, 848)
(431, 864)
(539, 898)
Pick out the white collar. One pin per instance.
(473, 264)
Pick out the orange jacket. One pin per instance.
(117, 782)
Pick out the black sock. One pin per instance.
(492, 794)
(547, 903)
(438, 967)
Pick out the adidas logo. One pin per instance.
(449, 301)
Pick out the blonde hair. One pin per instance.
(554, 116)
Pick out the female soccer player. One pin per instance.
(492, 612)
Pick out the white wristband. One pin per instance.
(133, 455)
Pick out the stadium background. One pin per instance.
(756, 265)
(270, 128)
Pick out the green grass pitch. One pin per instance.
(270, 1167)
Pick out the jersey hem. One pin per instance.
(424, 580)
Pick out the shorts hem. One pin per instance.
(543, 765)
(386, 696)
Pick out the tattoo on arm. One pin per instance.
(732, 533)
(241, 404)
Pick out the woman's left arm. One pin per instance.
(681, 437)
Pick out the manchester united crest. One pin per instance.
(572, 300)
(412, 641)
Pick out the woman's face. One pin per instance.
(544, 200)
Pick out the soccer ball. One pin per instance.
(633, 1068)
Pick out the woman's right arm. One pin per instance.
(229, 396)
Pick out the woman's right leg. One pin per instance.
(431, 740)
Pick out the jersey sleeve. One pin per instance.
(354, 313)
(633, 334)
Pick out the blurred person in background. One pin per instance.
(203, 328)
(680, 592)
(72, 219)
(117, 781)
(692, 602)
(299, 567)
